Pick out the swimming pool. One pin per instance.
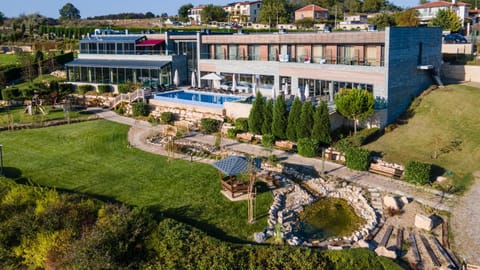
(197, 98)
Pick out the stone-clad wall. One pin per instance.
(405, 49)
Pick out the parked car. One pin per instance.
(455, 38)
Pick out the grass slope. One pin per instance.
(446, 122)
(8, 59)
(94, 158)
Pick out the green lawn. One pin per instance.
(18, 115)
(446, 122)
(94, 158)
(8, 59)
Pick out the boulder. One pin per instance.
(391, 202)
(259, 237)
(383, 251)
(423, 222)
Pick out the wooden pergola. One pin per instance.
(228, 170)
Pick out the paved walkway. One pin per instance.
(142, 129)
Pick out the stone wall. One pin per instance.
(187, 113)
(461, 73)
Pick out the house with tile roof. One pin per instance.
(428, 11)
(313, 12)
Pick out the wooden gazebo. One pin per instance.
(228, 170)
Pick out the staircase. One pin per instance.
(139, 94)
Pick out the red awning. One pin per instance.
(150, 42)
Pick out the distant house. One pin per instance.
(313, 12)
(243, 11)
(354, 22)
(428, 11)
(194, 15)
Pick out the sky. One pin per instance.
(90, 8)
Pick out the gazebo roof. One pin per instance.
(233, 165)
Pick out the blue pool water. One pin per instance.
(197, 98)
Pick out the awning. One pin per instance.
(150, 42)
(117, 63)
(212, 76)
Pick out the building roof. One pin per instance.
(150, 42)
(112, 38)
(440, 4)
(117, 63)
(242, 3)
(312, 7)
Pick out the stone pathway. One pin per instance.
(465, 224)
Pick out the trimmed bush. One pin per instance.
(232, 133)
(140, 109)
(123, 88)
(11, 93)
(241, 124)
(104, 88)
(166, 118)
(84, 88)
(418, 172)
(357, 158)
(307, 147)
(209, 125)
(268, 140)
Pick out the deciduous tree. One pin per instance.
(183, 12)
(69, 12)
(355, 104)
(408, 18)
(213, 13)
(447, 20)
(273, 12)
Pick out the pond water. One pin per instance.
(328, 218)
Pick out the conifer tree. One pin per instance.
(305, 124)
(293, 118)
(279, 121)
(321, 124)
(255, 119)
(267, 117)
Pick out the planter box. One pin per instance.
(247, 137)
(285, 145)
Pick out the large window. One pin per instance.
(371, 55)
(318, 54)
(253, 52)
(272, 52)
(233, 52)
(219, 52)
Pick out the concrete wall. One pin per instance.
(457, 48)
(406, 48)
(460, 73)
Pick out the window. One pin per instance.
(253, 52)
(233, 52)
(371, 55)
(218, 52)
(318, 54)
(272, 52)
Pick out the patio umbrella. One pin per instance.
(194, 80)
(299, 93)
(234, 83)
(213, 77)
(306, 91)
(274, 92)
(254, 88)
(176, 79)
(285, 91)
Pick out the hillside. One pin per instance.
(443, 130)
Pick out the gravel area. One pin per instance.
(465, 224)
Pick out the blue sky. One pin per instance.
(90, 8)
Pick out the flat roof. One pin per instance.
(112, 38)
(117, 63)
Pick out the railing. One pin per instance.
(131, 97)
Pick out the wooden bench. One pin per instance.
(246, 137)
(385, 171)
(284, 145)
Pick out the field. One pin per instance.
(94, 158)
(443, 130)
(19, 116)
(8, 59)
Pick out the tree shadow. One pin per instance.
(435, 172)
(184, 213)
(304, 169)
(12, 173)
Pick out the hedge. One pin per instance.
(307, 147)
(140, 109)
(11, 93)
(209, 125)
(241, 124)
(232, 133)
(418, 172)
(104, 88)
(268, 140)
(357, 158)
(84, 88)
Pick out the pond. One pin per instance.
(328, 218)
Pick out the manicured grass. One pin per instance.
(19, 116)
(39, 79)
(445, 122)
(94, 158)
(8, 59)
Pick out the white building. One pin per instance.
(241, 12)
(428, 11)
(194, 15)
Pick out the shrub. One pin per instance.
(11, 93)
(84, 88)
(166, 118)
(104, 88)
(241, 124)
(417, 172)
(153, 120)
(140, 109)
(123, 89)
(273, 159)
(307, 147)
(357, 158)
(232, 133)
(365, 136)
(209, 125)
(268, 140)
(66, 88)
